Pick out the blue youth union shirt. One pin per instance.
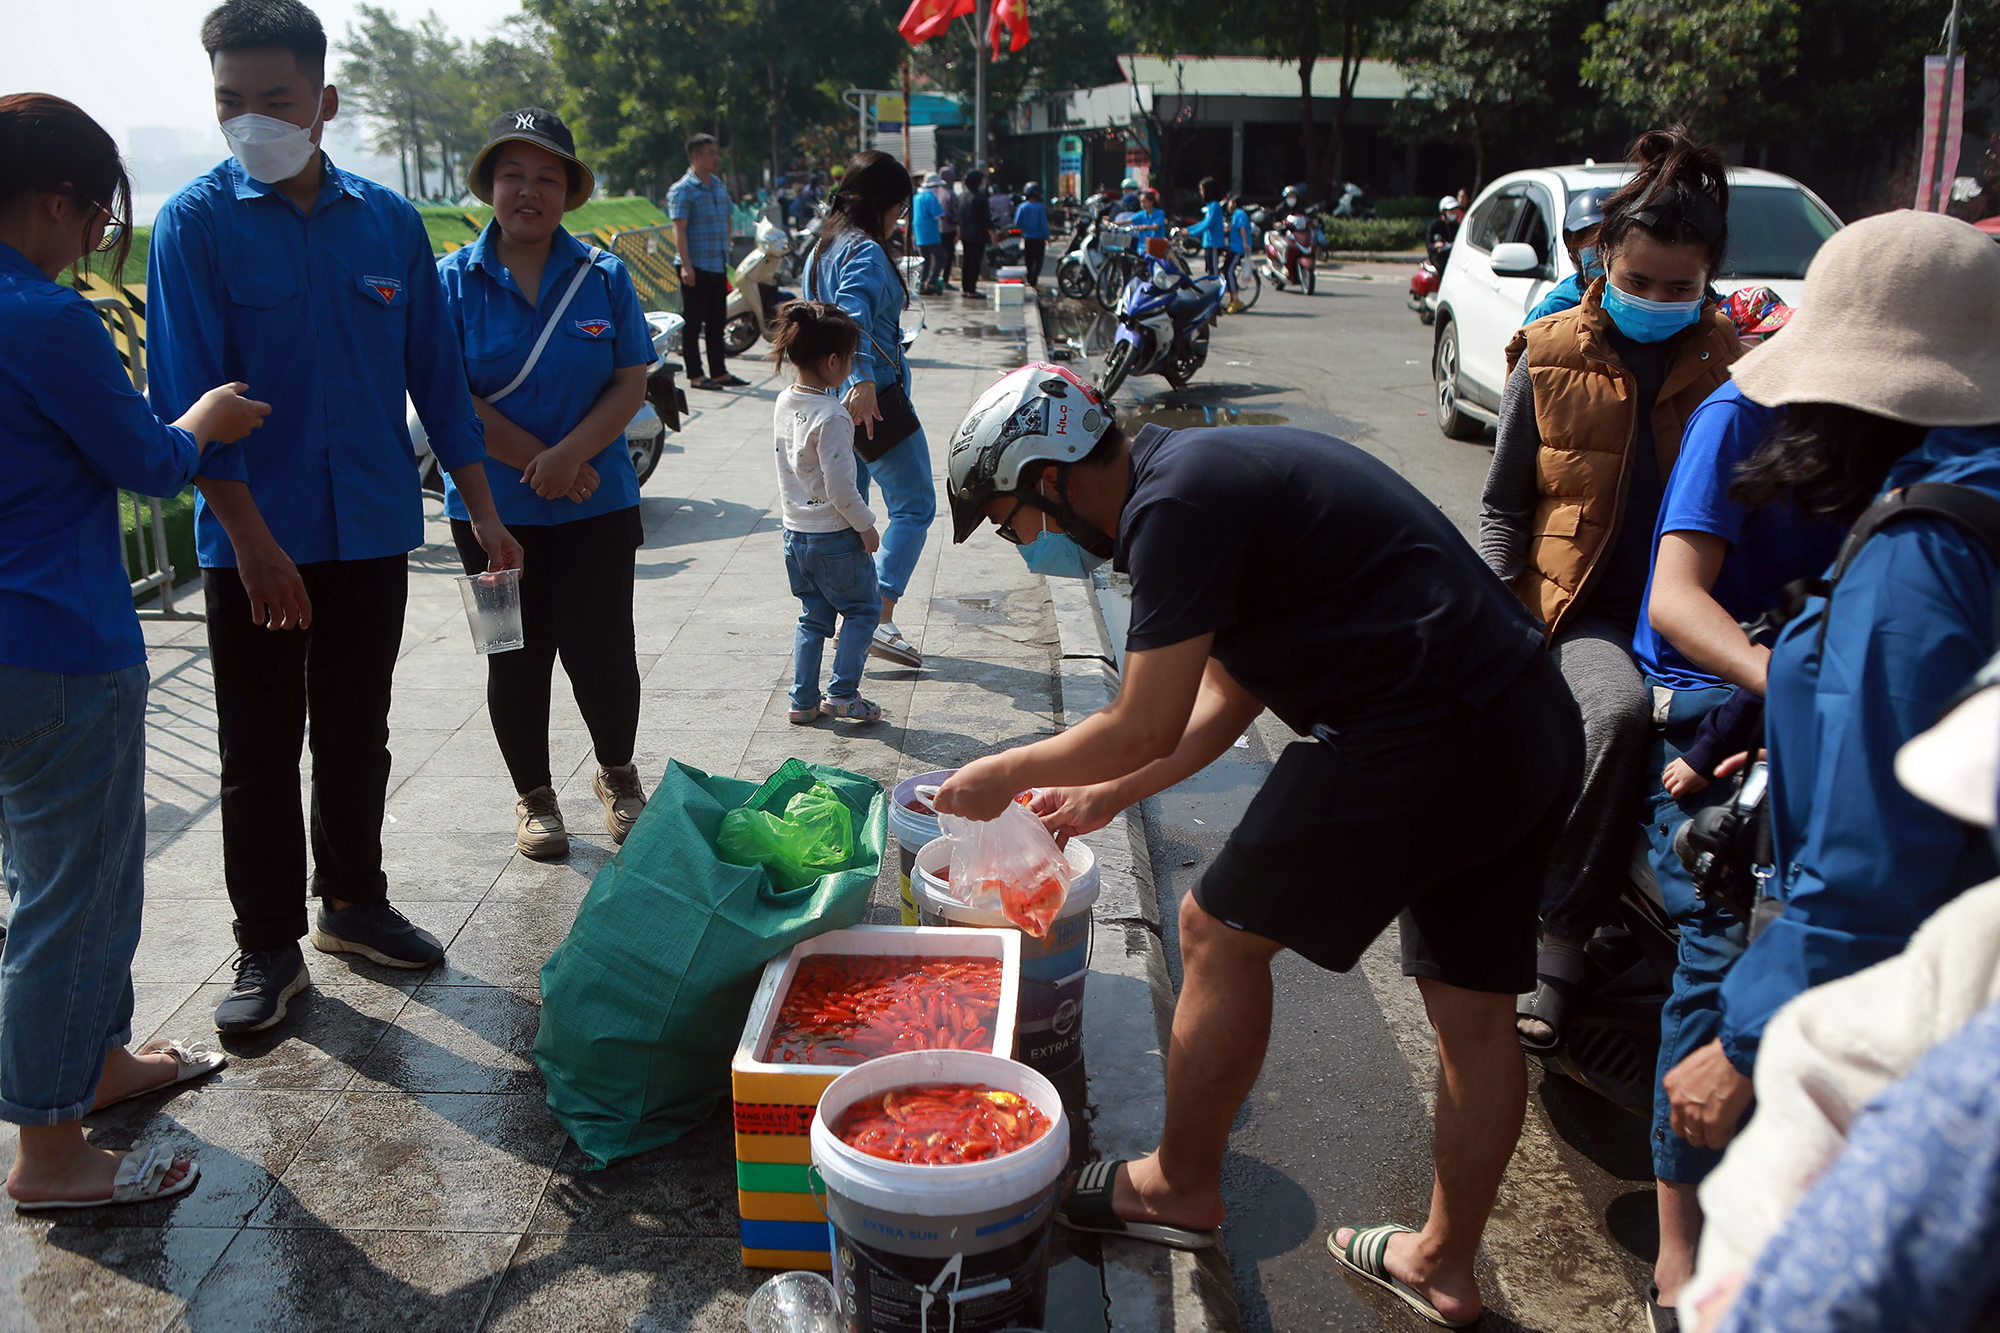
(1033, 220)
(330, 318)
(1768, 547)
(603, 330)
(72, 431)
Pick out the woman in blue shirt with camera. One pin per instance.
(73, 667)
(556, 351)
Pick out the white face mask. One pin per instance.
(271, 150)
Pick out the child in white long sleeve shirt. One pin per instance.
(829, 531)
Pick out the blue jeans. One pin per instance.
(73, 820)
(1710, 941)
(910, 496)
(830, 576)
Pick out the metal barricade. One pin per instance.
(649, 256)
(146, 542)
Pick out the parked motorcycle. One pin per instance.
(754, 297)
(1424, 285)
(1003, 250)
(1164, 318)
(1077, 272)
(1353, 203)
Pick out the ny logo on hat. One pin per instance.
(523, 120)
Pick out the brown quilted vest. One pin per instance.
(1586, 408)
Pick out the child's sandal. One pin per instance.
(856, 708)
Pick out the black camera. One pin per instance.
(1727, 848)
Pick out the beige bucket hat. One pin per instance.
(1900, 318)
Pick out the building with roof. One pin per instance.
(1232, 117)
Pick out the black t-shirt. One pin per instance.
(1336, 591)
(1443, 232)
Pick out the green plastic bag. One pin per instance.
(643, 1003)
(815, 835)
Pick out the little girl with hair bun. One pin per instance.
(829, 529)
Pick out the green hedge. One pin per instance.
(178, 513)
(1407, 206)
(448, 222)
(1386, 234)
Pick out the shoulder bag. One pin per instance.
(555, 317)
(898, 414)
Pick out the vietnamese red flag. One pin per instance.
(1014, 15)
(928, 18)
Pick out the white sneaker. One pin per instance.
(890, 645)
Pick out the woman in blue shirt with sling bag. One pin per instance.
(73, 677)
(556, 351)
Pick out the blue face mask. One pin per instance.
(1589, 268)
(1646, 321)
(1056, 555)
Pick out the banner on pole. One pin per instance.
(1929, 166)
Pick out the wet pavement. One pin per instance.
(384, 1159)
(1336, 1131)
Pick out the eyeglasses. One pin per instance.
(114, 232)
(1006, 528)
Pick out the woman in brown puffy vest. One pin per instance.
(1590, 425)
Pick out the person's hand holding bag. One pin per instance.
(1011, 864)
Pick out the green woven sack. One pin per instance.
(644, 1001)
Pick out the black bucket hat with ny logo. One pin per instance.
(544, 129)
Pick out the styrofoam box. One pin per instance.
(1009, 293)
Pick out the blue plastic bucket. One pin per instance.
(914, 830)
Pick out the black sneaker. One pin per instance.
(266, 980)
(378, 932)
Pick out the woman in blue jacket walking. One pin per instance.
(1890, 375)
(850, 267)
(73, 431)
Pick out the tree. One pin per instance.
(1705, 64)
(1478, 70)
(381, 78)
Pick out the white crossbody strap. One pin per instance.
(535, 352)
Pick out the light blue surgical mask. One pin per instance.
(1056, 555)
(1589, 268)
(1646, 321)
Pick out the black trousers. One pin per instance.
(576, 603)
(1031, 259)
(937, 258)
(947, 248)
(975, 255)
(703, 303)
(267, 684)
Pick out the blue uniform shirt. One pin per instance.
(603, 330)
(1565, 295)
(330, 319)
(72, 431)
(1210, 230)
(1862, 862)
(1148, 222)
(1768, 547)
(1241, 237)
(927, 213)
(1032, 218)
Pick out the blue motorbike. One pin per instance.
(1164, 317)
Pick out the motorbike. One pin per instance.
(793, 266)
(1353, 203)
(1003, 250)
(754, 297)
(1424, 285)
(646, 434)
(1078, 271)
(1289, 248)
(1164, 318)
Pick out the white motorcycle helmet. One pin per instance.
(1448, 204)
(1039, 413)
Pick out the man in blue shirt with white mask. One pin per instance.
(320, 285)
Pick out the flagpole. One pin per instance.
(1942, 172)
(982, 13)
(906, 112)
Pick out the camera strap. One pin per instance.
(1972, 511)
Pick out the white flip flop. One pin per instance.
(140, 1179)
(189, 1063)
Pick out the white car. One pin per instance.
(1509, 253)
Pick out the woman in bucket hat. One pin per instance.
(1889, 374)
(556, 352)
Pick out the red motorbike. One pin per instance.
(1424, 285)
(1289, 248)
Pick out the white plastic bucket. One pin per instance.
(1048, 1029)
(913, 829)
(940, 1249)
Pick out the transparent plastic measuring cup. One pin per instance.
(493, 610)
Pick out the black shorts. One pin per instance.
(1447, 821)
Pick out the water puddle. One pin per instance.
(1078, 327)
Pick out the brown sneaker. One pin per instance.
(623, 798)
(538, 826)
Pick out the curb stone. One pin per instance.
(1130, 1012)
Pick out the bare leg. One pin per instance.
(1680, 1233)
(888, 608)
(56, 1163)
(1222, 1024)
(127, 1072)
(1481, 1098)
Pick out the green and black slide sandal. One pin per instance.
(1363, 1257)
(1086, 1206)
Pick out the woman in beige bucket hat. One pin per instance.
(1890, 376)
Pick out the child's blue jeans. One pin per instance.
(831, 575)
(73, 818)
